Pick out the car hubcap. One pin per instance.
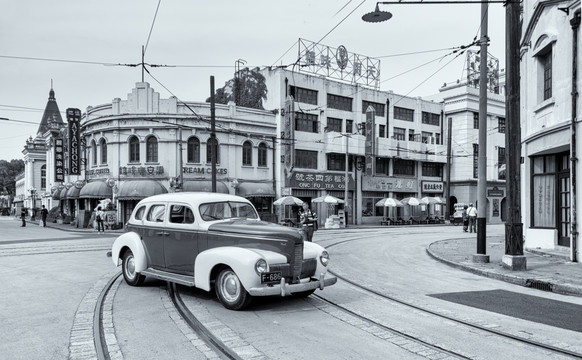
(230, 286)
(130, 267)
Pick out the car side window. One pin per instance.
(156, 213)
(139, 213)
(180, 214)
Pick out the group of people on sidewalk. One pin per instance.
(43, 216)
(470, 218)
(99, 217)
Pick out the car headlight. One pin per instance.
(324, 258)
(261, 266)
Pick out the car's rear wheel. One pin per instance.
(230, 291)
(131, 277)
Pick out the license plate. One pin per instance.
(270, 277)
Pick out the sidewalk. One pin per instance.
(65, 227)
(549, 270)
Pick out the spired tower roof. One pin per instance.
(51, 115)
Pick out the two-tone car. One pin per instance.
(217, 241)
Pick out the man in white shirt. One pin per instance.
(472, 211)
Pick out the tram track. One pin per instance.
(485, 329)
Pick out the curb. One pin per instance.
(559, 288)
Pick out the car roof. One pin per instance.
(193, 197)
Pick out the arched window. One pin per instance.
(209, 147)
(43, 177)
(193, 150)
(247, 153)
(133, 149)
(262, 154)
(103, 146)
(94, 152)
(152, 149)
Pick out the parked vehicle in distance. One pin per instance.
(217, 241)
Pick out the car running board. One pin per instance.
(168, 276)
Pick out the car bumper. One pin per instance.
(284, 289)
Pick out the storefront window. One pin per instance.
(544, 199)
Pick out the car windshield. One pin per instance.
(227, 210)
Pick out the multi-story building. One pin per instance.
(33, 187)
(550, 113)
(399, 153)
(461, 107)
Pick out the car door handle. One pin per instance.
(162, 233)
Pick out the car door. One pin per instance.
(181, 241)
(154, 234)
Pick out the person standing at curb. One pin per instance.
(23, 216)
(99, 218)
(472, 211)
(43, 215)
(465, 219)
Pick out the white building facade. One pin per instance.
(401, 154)
(550, 127)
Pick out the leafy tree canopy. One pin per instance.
(8, 172)
(248, 89)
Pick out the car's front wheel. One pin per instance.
(131, 277)
(230, 290)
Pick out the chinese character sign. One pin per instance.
(59, 160)
(370, 140)
(73, 118)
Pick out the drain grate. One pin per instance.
(540, 285)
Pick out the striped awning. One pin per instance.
(64, 194)
(56, 194)
(249, 189)
(140, 189)
(96, 190)
(73, 193)
(204, 185)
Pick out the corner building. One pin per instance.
(144, 145)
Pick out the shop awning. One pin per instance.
(57, 195)
(140, 189)
(73, 193)
(64, 194)
(204, 185)
(96, 190)
(249, 189)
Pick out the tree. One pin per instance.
(247, 89)
(8, 173)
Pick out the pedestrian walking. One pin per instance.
(472, 211)
(465, 219)
(43, 215)
(23, 216)
(99, 217)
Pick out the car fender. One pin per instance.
(241, 260)
(313, 250)
(132, 241)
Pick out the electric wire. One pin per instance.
(152, 27)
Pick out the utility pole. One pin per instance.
(481, 256)
(513, 258)
(449, 155)
(346, 181)
(213, 147)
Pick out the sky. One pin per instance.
(85, 48)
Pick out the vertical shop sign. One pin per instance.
(370, 140)
(288, 133)
(59, 160)
(73, 118)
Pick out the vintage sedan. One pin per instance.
(211, 240)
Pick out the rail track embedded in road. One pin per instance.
(485, 329)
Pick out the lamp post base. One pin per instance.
(514, 262)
